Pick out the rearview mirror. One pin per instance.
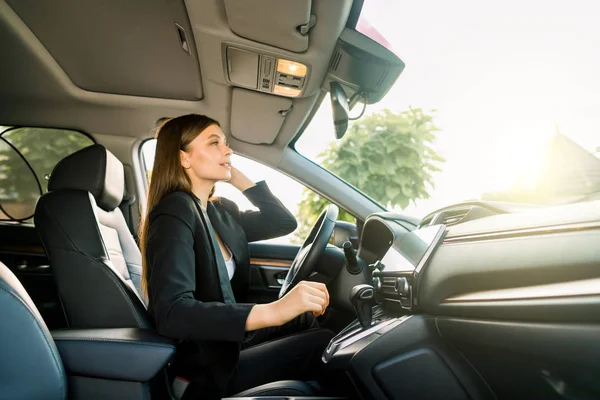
(339, 105)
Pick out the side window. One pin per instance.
(27, 157)
(148, 149)
(291, 193)
(302, 202)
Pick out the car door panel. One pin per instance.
(22, 252)
(269, 264)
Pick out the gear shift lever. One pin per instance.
(362, 298)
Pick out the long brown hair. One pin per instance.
(168, 175)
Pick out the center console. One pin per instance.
(391, 351)
(114, 363)
(355, 337)
(392, 295)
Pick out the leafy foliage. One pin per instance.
(388, 156)
(43, 149)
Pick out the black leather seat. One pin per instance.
(94, 258)
(30, 366)
(74, 363)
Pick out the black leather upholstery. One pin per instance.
(92, 169)
(101, 364)
(280, 388)
(30, 366)
(128, 354)
(95, 261)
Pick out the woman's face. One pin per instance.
(208, 156)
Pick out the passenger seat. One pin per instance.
(74, 363)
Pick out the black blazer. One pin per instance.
(190, 295)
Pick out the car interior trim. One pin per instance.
(585, 287)
(508, 234)
(270, 263)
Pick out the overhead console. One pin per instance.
(359, 64)
(360, 69)
(265, 84)
(265, 72)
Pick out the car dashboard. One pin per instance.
(496, 255)
(507, 306)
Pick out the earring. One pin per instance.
(187, 165)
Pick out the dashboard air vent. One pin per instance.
(426, 221)
(461, 213)
(454, 217)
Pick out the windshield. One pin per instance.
(498, 101)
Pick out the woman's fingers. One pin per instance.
(316, 305)
(320, 295)
(315, 292)
(317, 286)
(317, 300)
(318, 289)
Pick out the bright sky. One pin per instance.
(502, 76)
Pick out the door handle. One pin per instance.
(280, 277)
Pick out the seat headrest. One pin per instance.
(93, 169)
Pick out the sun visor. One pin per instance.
(135, 47)
(283, 24)
(257, 118)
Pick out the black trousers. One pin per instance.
(288, 352)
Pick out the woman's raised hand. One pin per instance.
(239, 180)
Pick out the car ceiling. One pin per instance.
(115, 67)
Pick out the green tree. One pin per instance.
(43, 148)
(388, 156)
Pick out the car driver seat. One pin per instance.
(94, 258)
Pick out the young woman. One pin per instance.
(196, 266)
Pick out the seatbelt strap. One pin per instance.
(179, 386)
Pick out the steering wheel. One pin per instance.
(311, 250)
